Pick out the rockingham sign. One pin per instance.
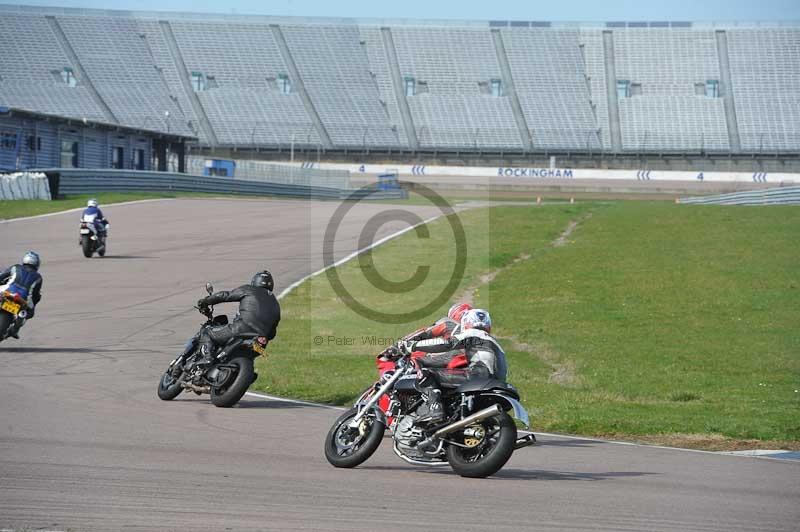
(549, 173)
(423, 173)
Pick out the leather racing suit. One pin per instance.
(259, 313)
(27, 283)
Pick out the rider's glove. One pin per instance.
(407, 347)
(201, 303)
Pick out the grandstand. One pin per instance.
(641, 91)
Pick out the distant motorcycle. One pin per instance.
(90, 241)
(13, 312)
(477, 436)
(227, 378)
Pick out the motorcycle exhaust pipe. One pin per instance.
(480, 415)
(195, 388)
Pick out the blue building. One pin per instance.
(31, 140)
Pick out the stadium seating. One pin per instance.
(668, 114)
(765, 72)
(352, 85)
(30, 65)
(549, 77)
(451, 111)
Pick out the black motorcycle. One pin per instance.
(477, 436)
(227, 378)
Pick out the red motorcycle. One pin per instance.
(386, 368)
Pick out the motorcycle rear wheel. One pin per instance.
(6, 320)
(348, 447)
(489, 456)
(86, 245)
(228, 395)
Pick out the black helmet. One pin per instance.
(264, 280)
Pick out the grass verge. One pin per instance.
(10, 209)
(652, 322)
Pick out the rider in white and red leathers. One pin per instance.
(485, 356)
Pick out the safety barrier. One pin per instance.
(307, 175)
(768, 196)
(24, 185)
(87, 181)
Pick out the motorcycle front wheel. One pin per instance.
(491, 445)
(169, 386)
(229, 393)
(86, 246)
(347, 446)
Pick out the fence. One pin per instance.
(276, 173)
(85, 181)
(769, 196)
(24, 185)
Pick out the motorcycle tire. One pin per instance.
(228, 395)
(6, 320)
(86, 246)
(494, 459)
(169, 386)
(363, 449)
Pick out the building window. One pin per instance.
(496, 86)
(117, 157)
(411, 86)
(284, 84)
(138, 159)
(712, 88)
(34, 143)
(68, 77)
(8, 140)
(623, 88)
(198, 81)
(69, 154)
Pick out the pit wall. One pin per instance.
(531, 174)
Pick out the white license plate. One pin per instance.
(85, 231)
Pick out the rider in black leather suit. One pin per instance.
(259, 313)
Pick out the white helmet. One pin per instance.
(476, 319)
(31, 258)
(91, 203)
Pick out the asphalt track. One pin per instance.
(86, 444)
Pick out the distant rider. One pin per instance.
(23, 279)
(93, 214)
(259, 313)
(485, 356)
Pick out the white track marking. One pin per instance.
(294, 401)
(355, 254)
(77, 209)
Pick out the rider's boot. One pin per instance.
(433, 401)
(13, 330)
(208, 355)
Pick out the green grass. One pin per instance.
(335, 373)
(654, 318)
(21, 208)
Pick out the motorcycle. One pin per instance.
(227, 378)
(13, 312)
(90, 241)
(476, 438)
